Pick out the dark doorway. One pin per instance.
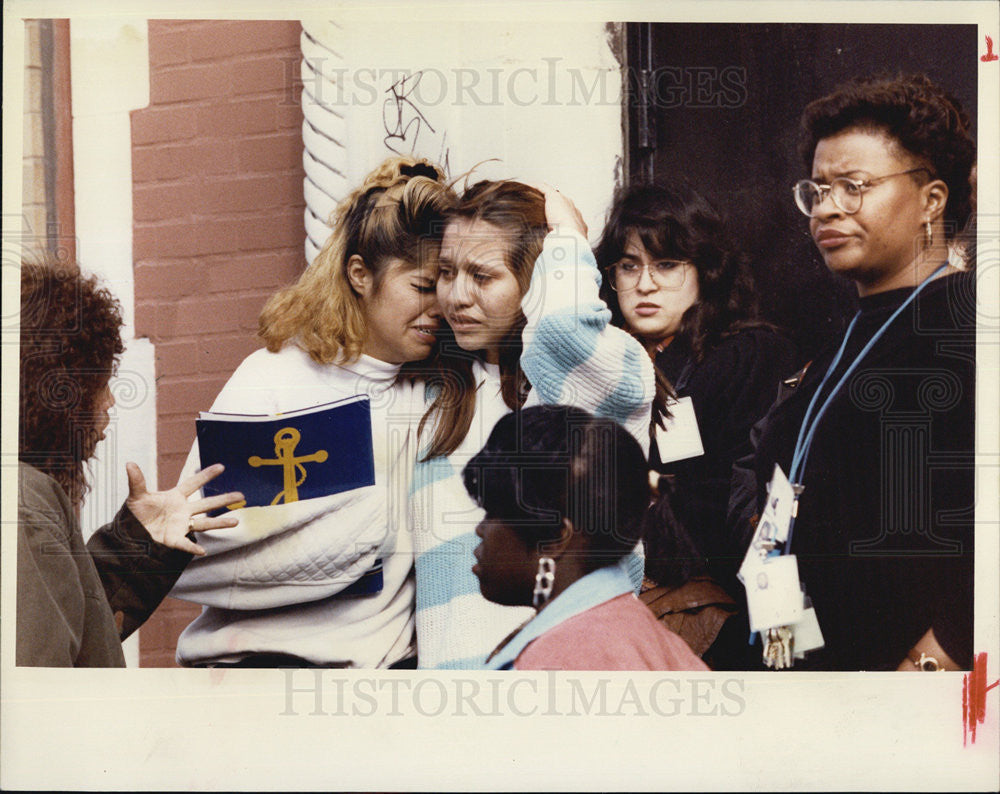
(719, 105)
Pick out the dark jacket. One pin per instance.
(884, 533)
(76, 601)
(731, 388)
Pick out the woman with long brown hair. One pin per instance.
(518, 287)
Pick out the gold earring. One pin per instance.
(928, 235)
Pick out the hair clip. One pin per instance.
(420, 169)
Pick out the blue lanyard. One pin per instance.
(807, 431)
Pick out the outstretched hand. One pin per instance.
(168, 516)
(560, 212)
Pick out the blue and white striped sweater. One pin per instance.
(572, 356)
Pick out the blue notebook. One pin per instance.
(283, 458)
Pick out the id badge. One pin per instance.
(774, 596)
(772, 529)
(680, 437)
(808, 636)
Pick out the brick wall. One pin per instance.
(217, 200)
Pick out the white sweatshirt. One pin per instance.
(272, 584)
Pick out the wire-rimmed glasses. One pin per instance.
(846, 192)
(665, 274)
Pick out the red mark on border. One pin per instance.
(990, 55)
(974, 691)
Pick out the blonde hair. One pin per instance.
(396, 213)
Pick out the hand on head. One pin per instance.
(561, 213)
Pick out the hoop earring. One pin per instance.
(544, 580)
(928, 235)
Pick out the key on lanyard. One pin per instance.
(778, 648)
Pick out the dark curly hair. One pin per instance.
(924, 119)
(676, 222)
(70, 344)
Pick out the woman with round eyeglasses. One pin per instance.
(877, 438)
(845, 192)
(671, 280)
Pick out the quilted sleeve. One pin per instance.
(282, 554)
(286, 554)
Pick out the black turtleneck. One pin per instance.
(884, 535)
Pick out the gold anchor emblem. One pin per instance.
(285, 441)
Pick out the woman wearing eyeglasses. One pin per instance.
(877, 439)
(671, 280)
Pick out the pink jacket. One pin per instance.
(618, 634)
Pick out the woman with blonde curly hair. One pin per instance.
(277, 591)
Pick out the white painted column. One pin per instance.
(109, 61)
(324, 129)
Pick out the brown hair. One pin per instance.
(519, 211)
(676, 222)
(70, 344)
(396, 213)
